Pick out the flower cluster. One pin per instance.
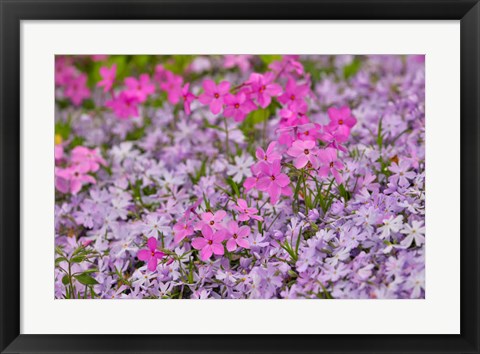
(240, 176)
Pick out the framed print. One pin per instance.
(198, 176)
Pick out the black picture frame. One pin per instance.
(12, 12)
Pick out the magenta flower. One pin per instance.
(108, 77)
(150, 255)
(270, 155)
(140, 88)
(274, 181)
(304, 152)
(245, 212)
(173, 86)
(124, 105)
(237, 236)
(214, 95)
(188, 98)
(71, 179)
(341, 120)
(182, 229)
(328, 157)
(213, 220)
(263, 88)
(294, 95)
(89, 157)
(77, 89)
(238, 106)
(210, 243)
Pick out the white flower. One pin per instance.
(390, 225)
(241, 168)
(414, 232)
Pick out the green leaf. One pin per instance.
(77, 259)
(59, 260)
(85, 279)
(351, 69)
(234, 186)
(268, 59)
(65, 279)
(63, 129)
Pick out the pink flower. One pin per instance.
(213, 220)
(237, 236)
(238, 106)
(59, 153)
(210, 243)
(182, 229)
(99, 57)
(124, 105)
(245, 212)
(77, 90)
(309, 131)
(188, 98)
(304, 151)
(214, 95)
(90, 157)
(150, 255)
(274, 181)
(270, 155)
(263, 88)
(241, 61)
(293, 95)
(140, 88)
(71, 179)
(63, 72)
(173, 86)
(108, 77)
(341, 120)
(328, 157)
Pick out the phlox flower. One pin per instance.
(390, 224)
(238, 106)
(240, 61)
(270, 155)
(182, 229)
(71, 179)
(304, 153)
(188, 98)
(341, 120)
(150, 255)
(210, 243)
(139, 88)
(294, 94)
(274, 182)
(402, 175)
(237, 236)
(331, 164)
(414, 231)
(263, 88)
(213, 220)
(77, 90)
(124, 105)
(89, 157)
(108, 77)
(214, 95)
(308, 131)
(245, 212)
(288, 64)
(173, 86)
(241, 168)
(154, 225)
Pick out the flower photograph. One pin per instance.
(239, 177)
